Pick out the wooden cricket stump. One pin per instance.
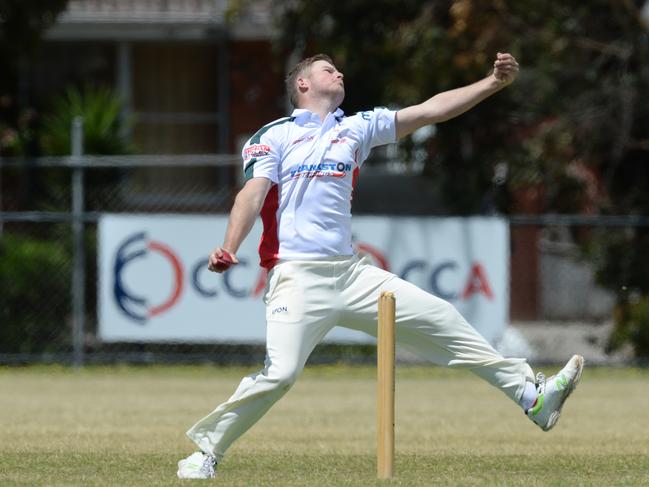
(385, 396)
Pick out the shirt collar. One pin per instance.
(304, 116)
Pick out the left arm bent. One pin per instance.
(450, 104)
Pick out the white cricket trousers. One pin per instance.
(306, 299)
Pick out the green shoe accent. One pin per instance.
(562, 383)
(538, 406)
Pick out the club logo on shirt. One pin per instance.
(333, 169)
(256, 150)
(306, 138)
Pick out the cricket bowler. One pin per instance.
(300, 173)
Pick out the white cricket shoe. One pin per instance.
(198, 465)
(553, 392)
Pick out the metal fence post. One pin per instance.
(79, 256)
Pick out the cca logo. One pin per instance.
(476, 281)
(134, 306)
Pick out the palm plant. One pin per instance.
(103, 124)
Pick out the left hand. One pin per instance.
(505, 68)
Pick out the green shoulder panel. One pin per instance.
(256, 139)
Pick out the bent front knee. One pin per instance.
(284, 380)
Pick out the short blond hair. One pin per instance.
(298, 70)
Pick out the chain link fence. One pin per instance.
(49, 208)
(49, 212)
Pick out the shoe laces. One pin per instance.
(207, 468)
(540, 382)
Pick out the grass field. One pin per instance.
(125, 426)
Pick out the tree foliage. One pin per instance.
(574, 127)
(22, 24)
(574, 110)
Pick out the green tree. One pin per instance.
(574, 126)
(21, 28)
(575, 102)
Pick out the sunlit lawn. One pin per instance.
(125, 426)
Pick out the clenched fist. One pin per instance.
(505, 68)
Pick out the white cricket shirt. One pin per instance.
(313, 167)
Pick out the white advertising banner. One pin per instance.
(155, 286)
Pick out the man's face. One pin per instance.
(324, 79)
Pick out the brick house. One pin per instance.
(192, 77)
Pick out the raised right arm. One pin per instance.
(450, 104)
